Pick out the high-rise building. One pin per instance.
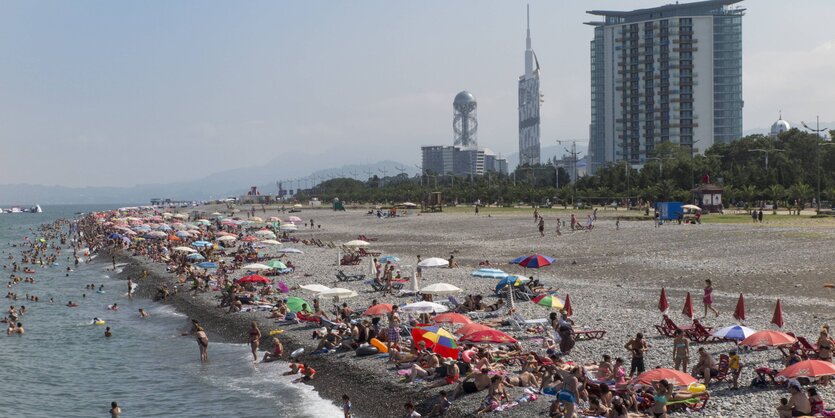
(529, 101)
(666, 74)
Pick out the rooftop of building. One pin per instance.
(699, 8)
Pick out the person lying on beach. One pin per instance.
(331, 341)
(308, 373)
(400, 357)
(423, 368)
(523, 380)
(295, 368)
(474, 382)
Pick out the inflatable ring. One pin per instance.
(829, 285)
(696, 388)
(297, 353)
(99, 291)
(367, 351)
(276, 332)
(98, 322)
(379, 345)
(467, 356)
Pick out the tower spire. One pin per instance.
(528, 38)
(529, 69)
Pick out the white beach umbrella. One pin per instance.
(337, 292)
(440, 289)
(180, 216)
(256, 266)
(270, 242)
(434, 262)
(288, 227)
(227, 238)
(256, 219)
(356, 243)
(290, 250)
(315, 288)
(264, 233)
(424, 307)
(185, 249)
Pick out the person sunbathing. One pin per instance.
(424, 367)
(473, 383)
(523, 380)
(331, 341)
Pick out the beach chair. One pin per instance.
(694, 404)
(668, 327)
(365, 253)
(519, 323)
(366, 238)
(342, 277)
(587, 335)
(700, 333)
(724, 367)
(803, 347)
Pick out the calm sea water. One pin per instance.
(65, 367)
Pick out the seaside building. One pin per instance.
(464, 158)
(779, 127)
(666, 74)
(529, 102)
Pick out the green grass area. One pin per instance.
(769, 219)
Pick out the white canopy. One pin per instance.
(434, 262)
(440, 289)
(315, 288)
(424, 307)
(256, 266)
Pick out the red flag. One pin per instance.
(739, 313)
(777, 319)
(663, 305)
(567, 305)
(688, 307)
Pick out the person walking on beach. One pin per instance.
(130, 288)
(637, 347)
(681, 351)
(346, 406)
(418, 269)
(707, 299)
(558, 227)
(202, 342)
(476, 210)
(541, 227)
(535, 214)
(760, 216)
(254, 339)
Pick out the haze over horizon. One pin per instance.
(116, 93)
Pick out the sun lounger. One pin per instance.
(804, 348)
(694, 404)
(700, 333)
(382, 287)
(668, 327)
(342, 277)
(723, 367)
(586, 335)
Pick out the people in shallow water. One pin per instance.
(107, 332)
(143, 314)
(71, 304)
(115, 410)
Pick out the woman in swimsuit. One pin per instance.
(681, 351)
(203, 343)
(708, 298)
(663, 391)
(824, 346)
(254, 339)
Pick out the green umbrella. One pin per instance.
(275, 264)
(295, 304)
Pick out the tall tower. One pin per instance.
(529, 101)
(464, 122)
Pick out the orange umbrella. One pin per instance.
(452, 318)
(567, 305)
(809, 368)
(489, 336)
(663, 304)
(739, 313)
(379, 309)
(777, 318)
(768, 339)
(675, 377)
(470, 328)
(688, 307)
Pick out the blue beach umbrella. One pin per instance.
(489, 273)
(207, 265)
(735, 332)
(114, 236)
(195, 257)
(389, 258)
(201, 244)
(518, 260)
(511, 281)
(182, 234)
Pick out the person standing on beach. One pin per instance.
(418, 269)
(535, 214)
(541, 227)
(558, 227)
(130, 288)
(254, 339)
(476, 210)
(637, 347)
(707, 299)
(202, 342)
(346, 406)
(760, 216)
(681, 351)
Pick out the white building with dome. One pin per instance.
(779, 127)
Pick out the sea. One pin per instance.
(65, 367)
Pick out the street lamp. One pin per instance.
(819, 175)
(766, 151)
(660, 163)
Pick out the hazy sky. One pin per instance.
(117, 93)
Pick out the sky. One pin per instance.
(117, 93)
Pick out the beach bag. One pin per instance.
(759, 383)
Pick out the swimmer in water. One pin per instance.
(115, 410)
(96, 319)
(114, 307)
(19, 329)
(143, 314)
(71, 304)
(107, 332)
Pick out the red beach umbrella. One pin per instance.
(471, 328)
(663, 304)
(488, 336)
(379, 309)
(675, 377)
(452, 318)
(536, 261)
(567, 305)
(809, 368)
(254, 278)
(777, 319)
(739, 313)
(688, 307)
(768, 339)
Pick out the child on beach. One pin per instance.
(708, 298)
(735, 367)
(346, 406)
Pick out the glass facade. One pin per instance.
(597, 139)
(727, 77)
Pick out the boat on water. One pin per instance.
(22, 209)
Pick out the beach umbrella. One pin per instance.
(440, 289)
(549, 301)
(163, 227)
(157, 234)
(201, 244)
(184, 249)
(768, 338)
(734, 332)
(294, 219)
(808, 369)
(274, 219)
(452, 318)
(181, 234)
(290, 250)
(315, 288)
(379, 309)
(180, 216)
(536, 261)
(270, 242)
(739, 312)
(256, 266)
(663, 304)
(424, 307)
(675, 377)
(207, 265)
(471, 328)
(389, 259)
(688, 307)
(114, 235)
(174, 238)
(264, 233)
(567, 307)
(519, 259)
(777, 318)
(249, 238)
(282, 287)
(275, 264)
(489, 273)
(203, 222)
(434, 262)
(337, 292)
(438, 339)
(227, 238)
(691, 207)
(294, 304)
(195, 257)
(256, 219)
(356, 243)
(288, 227)
(511, 281)
(254, 278)
(488, 336)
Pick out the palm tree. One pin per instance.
(777, 192)
(748, 193)
(802, 192)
